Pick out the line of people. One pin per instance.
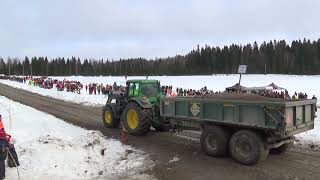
(96, 88)
(168, 91)
(99, 88)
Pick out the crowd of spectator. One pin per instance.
(99, 88)
(107, 89)
(274, 94)
(168, 91)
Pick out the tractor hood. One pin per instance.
(153, 100)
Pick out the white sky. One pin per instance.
(147, 28)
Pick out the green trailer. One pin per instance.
(245, 126)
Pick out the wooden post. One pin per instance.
(239, 84)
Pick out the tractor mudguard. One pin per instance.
(143, 104)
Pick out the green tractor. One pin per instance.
(137, 109)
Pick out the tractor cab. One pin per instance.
(137, 109)
(147, 89)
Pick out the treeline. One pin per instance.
(274, 57)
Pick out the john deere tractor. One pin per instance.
(137, 109)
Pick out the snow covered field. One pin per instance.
(49, 148)
(293, 83)
(83, 98)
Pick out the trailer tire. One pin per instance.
(214, 140)
(108, 117)
(281, 149)
(247, 147)
(135, 119)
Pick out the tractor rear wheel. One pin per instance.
(108, 118)
(135, 119)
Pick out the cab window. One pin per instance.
(133, 89)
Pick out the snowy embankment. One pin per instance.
(83, 98)
(49, 148)
(310, 139)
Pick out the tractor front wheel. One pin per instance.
(108, 118)
(135, 119)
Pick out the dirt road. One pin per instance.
(163, 147)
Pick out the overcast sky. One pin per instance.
(146, 28)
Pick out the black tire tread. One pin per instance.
(262, 151)
(223, 135)
(143, 119)
(114, 122)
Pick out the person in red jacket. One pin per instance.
(7, 150)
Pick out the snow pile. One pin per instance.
(310, 139)
(49, 148)
(293, 83)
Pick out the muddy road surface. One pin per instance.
(177, 158)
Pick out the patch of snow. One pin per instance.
(49, 148)
(174, 159)
(310, 139)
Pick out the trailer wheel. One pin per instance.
(281, 149)
(247, 147)
(108, 118)
(136, 120)
(214, 140)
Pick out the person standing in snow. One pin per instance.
(7, 151)
(314, 97)
(99, 88)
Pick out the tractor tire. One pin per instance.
(214, 140)
(108, 117)
(135, 120)
(247, 147)
(2, 169)
(281, 149)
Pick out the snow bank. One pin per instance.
(310, 139)
(83, 98)
(49, 148)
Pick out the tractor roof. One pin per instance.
(143, 80)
